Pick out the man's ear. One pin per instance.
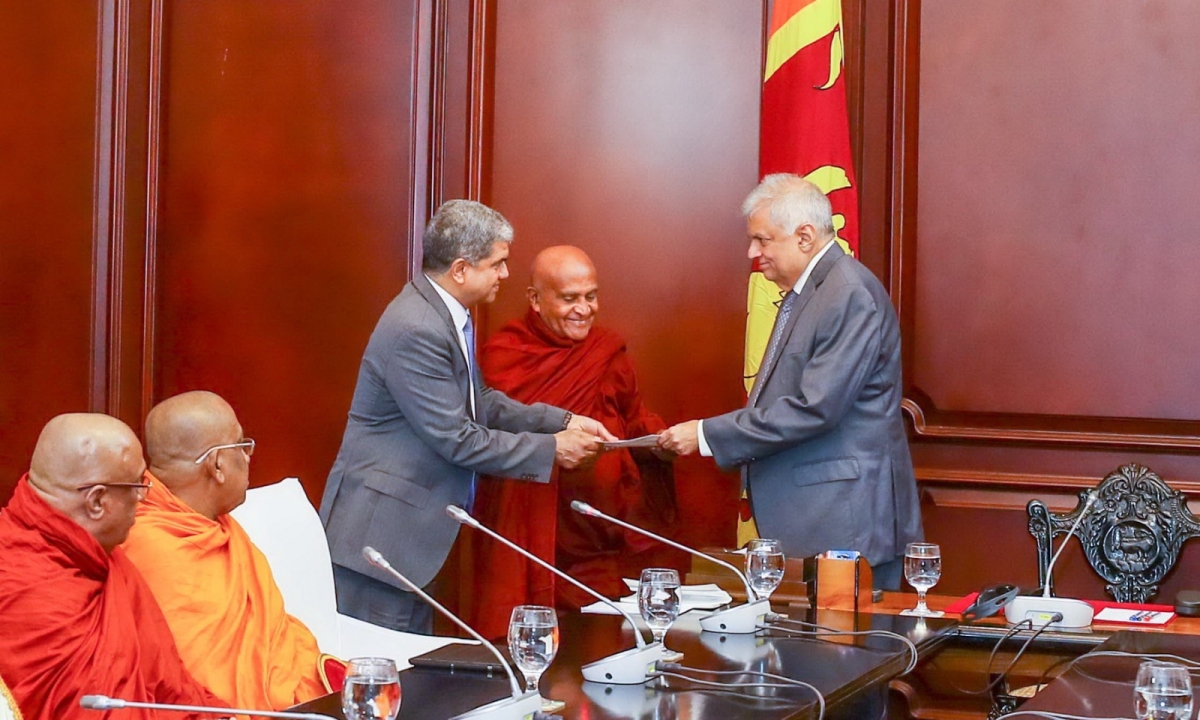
(808, 237)
(216, 472)
(93, 502)
(458, 270)
(531, 294)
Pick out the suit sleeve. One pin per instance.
(419, 376)
(846, 347)
(507, 414)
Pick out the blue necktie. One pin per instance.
(469, 335)
(781, 318)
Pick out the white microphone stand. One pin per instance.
(739, 619)
(628, 667)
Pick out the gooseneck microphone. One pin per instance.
(103, 702)
(628, 667)
(738, 619)
(520, 706)
(1043, 609)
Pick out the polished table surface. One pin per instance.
(1102, 686)
(845, 670)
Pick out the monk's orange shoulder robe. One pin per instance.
(75, 621)
(223, 605)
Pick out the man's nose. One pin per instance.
(754, 252)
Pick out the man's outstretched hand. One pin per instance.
(681, 439)
(593, 427)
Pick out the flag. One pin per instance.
(805, 130)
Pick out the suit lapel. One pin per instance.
(424, 286)
(819, 273)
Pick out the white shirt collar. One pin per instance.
(808, 270)
(458, 313)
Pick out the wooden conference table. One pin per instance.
(851, 672)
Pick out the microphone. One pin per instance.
(520, 705)
(103, 702)
(628, 667)
(1075, 613)
(738, 619)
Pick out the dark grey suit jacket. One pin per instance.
(824, 447)
(411, 446)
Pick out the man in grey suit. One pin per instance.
(822, 445)
(423, 425)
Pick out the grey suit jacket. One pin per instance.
(824, 449)
(411, 446)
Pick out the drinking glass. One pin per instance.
(372, 690)
(533, 641)
(1163, 692)
(764, 566)
(658, 601)
(922, 569)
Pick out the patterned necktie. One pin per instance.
(781, 318)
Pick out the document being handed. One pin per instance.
(645, 441)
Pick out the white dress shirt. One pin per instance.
(459, 315)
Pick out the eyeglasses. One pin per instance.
(141, 488)
(246, 445)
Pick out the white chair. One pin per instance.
(8, 706)
(286, 528)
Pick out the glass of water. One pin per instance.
(922, 569)
(372, 690)
(764, 566)
(533, 641)
(658, 601)
(1163, 692)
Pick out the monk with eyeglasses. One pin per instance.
(76, 617)
(213, 584)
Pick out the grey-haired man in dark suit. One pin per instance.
(821, 439)
(423, 426)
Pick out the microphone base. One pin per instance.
(737, 620)
(1039, 610)
(520, 707)
(628, 667)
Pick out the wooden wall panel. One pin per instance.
(1055, 173)
(292, 164)
(48, 62)
(630, 129)
(1037, 235)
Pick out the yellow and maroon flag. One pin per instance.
(805, 130)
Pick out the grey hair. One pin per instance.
(791, 201)
(462, 229)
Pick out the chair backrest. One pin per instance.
(8, 706)
(286, 528)
(1132, 536)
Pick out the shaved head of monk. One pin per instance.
(89, 467)
(563, 291)
(199, 426)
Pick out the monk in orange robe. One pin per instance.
(76, 618)
(213, 584)
(555, 354)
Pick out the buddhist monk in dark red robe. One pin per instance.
(77, 619)
(555, 354)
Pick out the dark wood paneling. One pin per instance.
(290, 167)
(630, 129)
(1047, 221)
(48, 56)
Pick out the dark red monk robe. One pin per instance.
(593, 378)
(75, 621)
